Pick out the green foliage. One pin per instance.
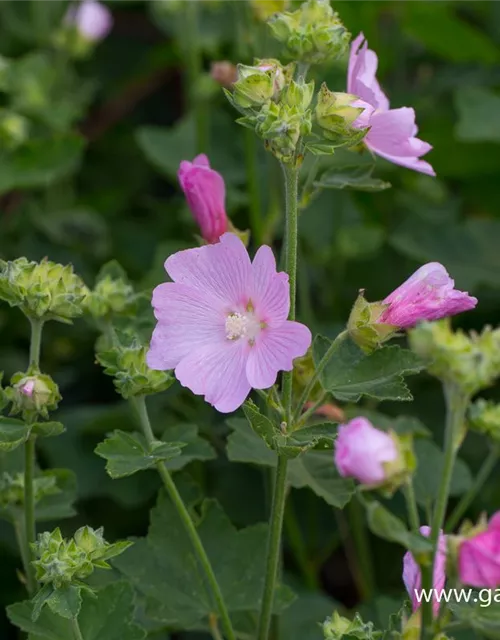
(110, 615)
(156, 566)
(351, 374)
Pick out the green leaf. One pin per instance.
(109, 616)
(478, 115)
(12, 433)
(314, 469)
(40, 162)
(127, 453)
(438, 28)
(65, 601)
(165, 571)
(351, 374)
(58, 505)
(47, 429)
(386, 525)
(303, 619)
(358, 178)
(430, 463)
(262, 426)
(194, 446)
(320, 148)
(480, 613)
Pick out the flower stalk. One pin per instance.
(139, 403)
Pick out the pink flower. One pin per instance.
(361, 451)
(479, 557)
(205, 194)
(92, 19)
(427, 295)
(222, 322)
(392, 133)
(413, 578)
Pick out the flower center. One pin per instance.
(242, 325)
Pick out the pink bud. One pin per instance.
(224, 73)
(479, 557)
(92, 19)
(361, 451)
(27, 388)
(412, 576)
(427, 295)
(205, 194)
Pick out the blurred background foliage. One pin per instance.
(89, 151)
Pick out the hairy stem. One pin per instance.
(467, 499)
(139, 403)
(411, 505)
(456, 405)
(77, 634)
(36, 342)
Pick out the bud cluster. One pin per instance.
(42, 290)
(32, 394)
(337, 627)
(110, 297)
(126, 362)
(60, 561)
(313, 33)
(471, 361)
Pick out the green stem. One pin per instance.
(317, 373)
(252, 167)
(139, 403)
(411, 505)
(194, 66)
(299, 548)
(456, 405)
(36, 342)
(362, 548)
(467, 499)
(273, 549)
(76, 629)
(312, 410)
(291, 174)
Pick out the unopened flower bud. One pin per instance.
(110, 297)
(339, 628)
(258, 84)
(342, 117)
(471, 361)
(373, 457)
(282, 126)
(126, 362)
(484, 416)
(42, 290)
(92, 20)
(224, 73)
(299, 94)
(33, 394)
(313, 33)
(90, 540)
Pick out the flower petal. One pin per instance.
(271, 291)
(222, 270)
(218, 373)
(275, 350)
(361, 76)
(187, 320)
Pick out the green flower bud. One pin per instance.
(33, 394)
(258, 84)
(44, 290)
(126, 362)
(364, 326)
(484, 416)
(313, 33)
(340, 117)
(337, 627)
(110, 297)
(13, 129)
(282, 126)
(299, 95)
(60, 561)
(472, 361)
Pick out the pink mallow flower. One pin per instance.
(412, 576)
(205, 193)
(479, 557)
(222, 322)
(392, 131)
(92, 19)
(427, 295)
(361, 451)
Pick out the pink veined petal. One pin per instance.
(223, 271)
(218, 373)
(361, 77)
(275, 350)
(271, 291)
(187, 320)
(409, 162)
